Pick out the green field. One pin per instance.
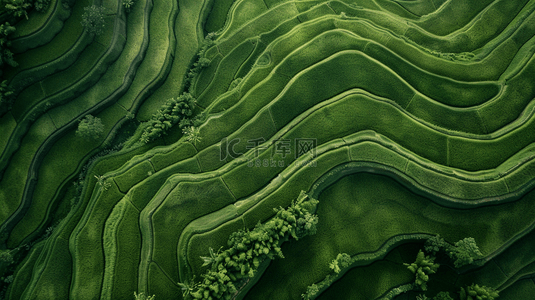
(220, 118)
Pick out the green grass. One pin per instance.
(522, 289)
(11, 188)
(369, 282)
(61, 43)
(24, 273)
(87, 245)
(360, 211)
(56, 277)
(123, 252)
(452, 140)
(35, 21)
(225, 72)
(244, 11)
(218, 15)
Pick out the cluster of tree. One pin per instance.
(463, 252)
(16, 9)
(175, 110)
(202, 62)
(232, 267)
(20, 8)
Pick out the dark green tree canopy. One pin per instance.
(90, 127)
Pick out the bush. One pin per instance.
(343, 260)
(6, 56)
(93, 19)
(465, 252)
(312, 292)
(6, 257)
(142, 296)
(422, 267)
(6, 98)
(128, 4)
(17, 8)
(476, 292)
(248, 249)
(192, 134)
(41, 5)
(435, 244)
(90, 127)
(174, 111)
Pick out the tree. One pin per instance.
(128, 4)
(465, 252)
(435, 244)
(6, 56)
(18, 8)
(192, 134)
(476, 292)
(90, 127)
(422, 267)
(93, 19)
(343, 260)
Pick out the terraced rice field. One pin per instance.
(405, 119)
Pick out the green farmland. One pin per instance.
(267, 149)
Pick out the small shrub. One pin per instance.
(41, 5)
(93, 19)
(234, 84)
(435, 244)
(312, 292)
(192, 134)
(142, 296)
(9, 279)
(343, 260)
(90, 127)
(476, 292)
(128, 4)
(6, 257)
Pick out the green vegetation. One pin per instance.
(142, 296)
(18, 8)
(93, 19)
(476, 292)
(465, 252)
(231, 268)
(411, 122)
(6, 56)
(175, 111)
(422, 268)
(90, 127)
(128, 4)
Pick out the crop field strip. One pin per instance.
(172, 202)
